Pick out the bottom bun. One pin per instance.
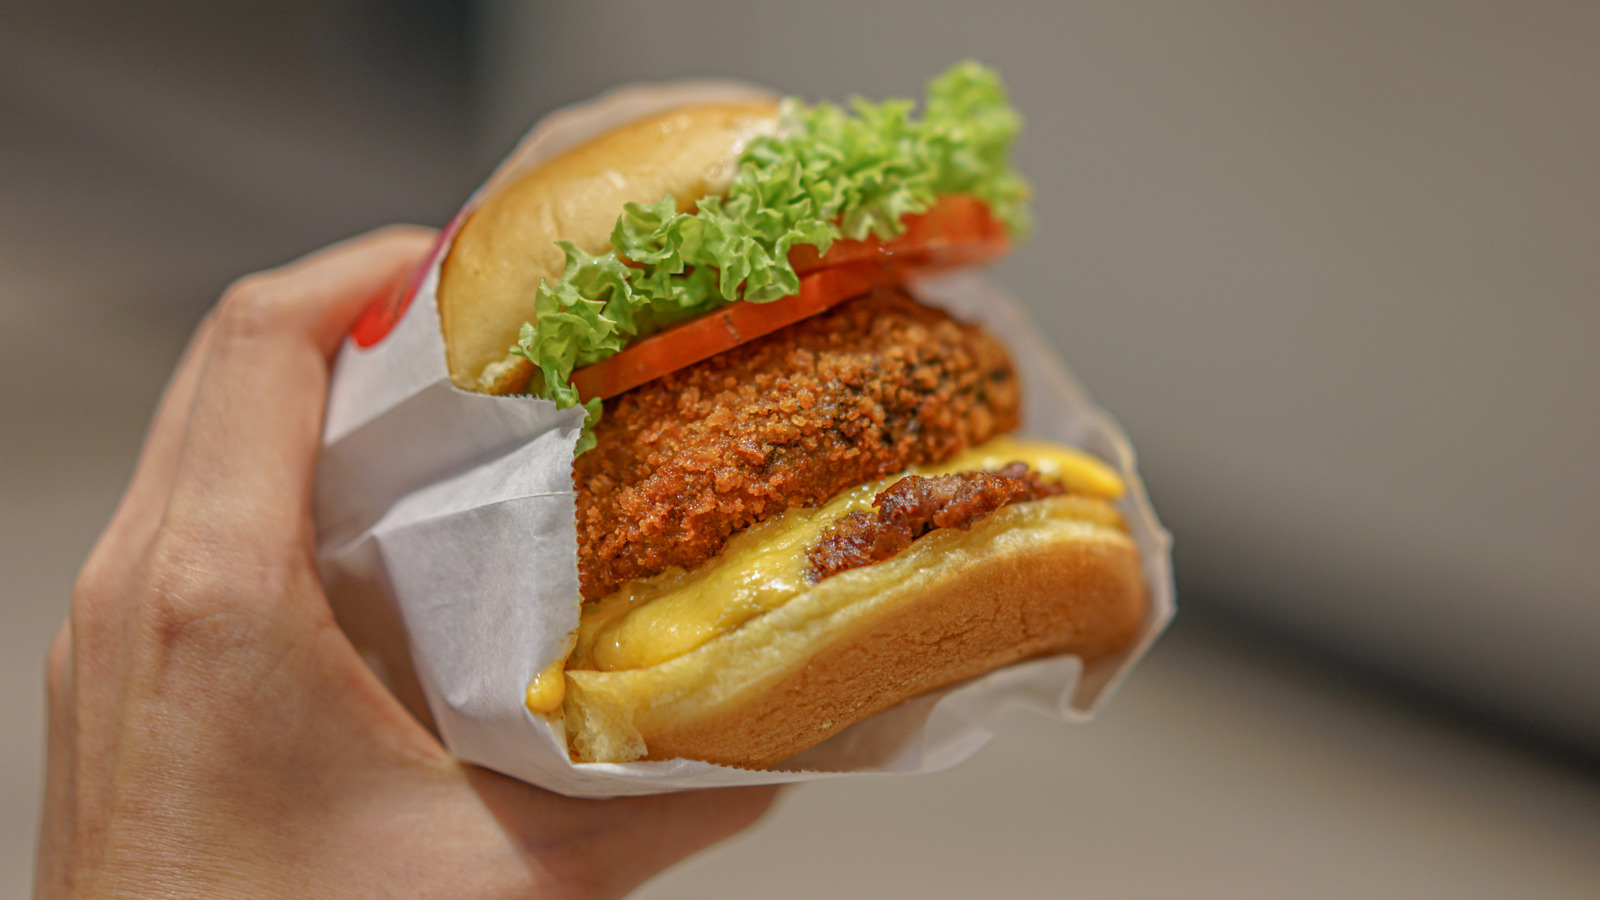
(1058, 575)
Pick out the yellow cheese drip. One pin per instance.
(548, 689)
(652, 620)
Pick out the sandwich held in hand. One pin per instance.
(799, 496)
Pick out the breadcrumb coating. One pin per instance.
(862, 391)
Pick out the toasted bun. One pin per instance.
(1051, 576)
(508, 245)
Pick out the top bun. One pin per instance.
(508, 245)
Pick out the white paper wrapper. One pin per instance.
(449, 516)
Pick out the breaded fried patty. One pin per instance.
(859, 392)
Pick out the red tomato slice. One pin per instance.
(958, 231)
(728, 327)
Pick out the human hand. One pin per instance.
(212, 731)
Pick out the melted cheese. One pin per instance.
(548, 689)
(652, 620)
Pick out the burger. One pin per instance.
(799, 498)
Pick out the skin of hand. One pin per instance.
(213, 733)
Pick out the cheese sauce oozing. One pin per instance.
(652, 620)
(548, 689)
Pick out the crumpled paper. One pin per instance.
(447, 541)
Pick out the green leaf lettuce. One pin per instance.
(830, 172)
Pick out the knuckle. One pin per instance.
(189, 596)
(177, 625)
(168, 599)
(187, 562)
(253, 305)
(174, 627)
(99, 587)
(198, 588)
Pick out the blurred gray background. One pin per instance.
(1335, 266)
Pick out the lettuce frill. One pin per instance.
(830, 172)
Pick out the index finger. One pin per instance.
(243, 478)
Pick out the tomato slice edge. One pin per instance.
(959, 230)
(724, 329)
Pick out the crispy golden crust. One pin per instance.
(487, 283)
(791, 419)
(1034, 579)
